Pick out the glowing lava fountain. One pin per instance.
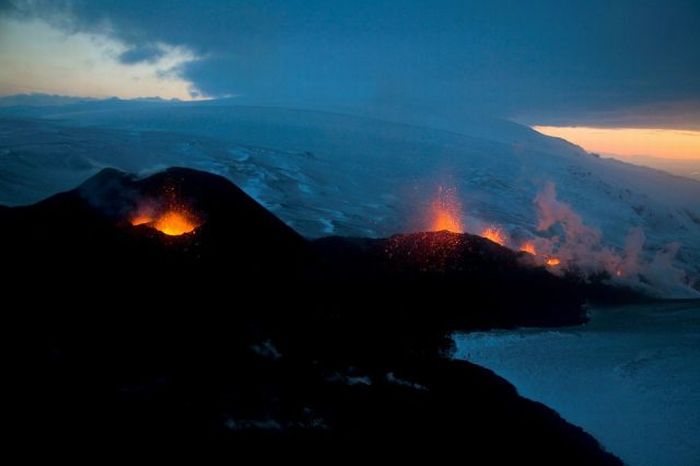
(446, 211)
(494, 234)
(172, 222)
(529, 247)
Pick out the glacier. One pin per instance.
(333, 174)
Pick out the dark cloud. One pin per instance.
(682, 114)
(538, 59)
(141, 53)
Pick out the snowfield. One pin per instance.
(325, 173)
(629, 377)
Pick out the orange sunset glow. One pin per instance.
(664, 143)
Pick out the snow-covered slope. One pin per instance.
(629, 377)
(326, 173)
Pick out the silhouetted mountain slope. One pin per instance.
(244, 337)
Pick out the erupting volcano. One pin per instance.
(446, 211)
(494, 234)
(172, 222)
(175, 223)
(529, 247)
(445, 215)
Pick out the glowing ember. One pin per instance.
(446, 211)
(494, 234)
(553, 261)
(174, 223)
(529, 248)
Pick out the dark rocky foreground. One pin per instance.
(243, 337)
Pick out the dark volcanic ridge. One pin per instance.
(241, 334)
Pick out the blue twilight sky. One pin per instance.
(549, 62)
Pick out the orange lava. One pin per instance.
(141, 220)
(529, 247)
(446, 221)
(494, 234)
(446, 211)
(175, 223)
(553, 261)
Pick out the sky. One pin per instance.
(666, 143)
(583, 63)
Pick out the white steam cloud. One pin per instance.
(580, 249)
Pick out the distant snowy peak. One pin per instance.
(40, 100)
(53, 100)
(477, 126)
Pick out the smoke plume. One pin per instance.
(580, 249)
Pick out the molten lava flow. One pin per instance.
(141, 220)
(175, 223)
(553, 261)
(529, 247)
(446, 211)
(494, 234)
